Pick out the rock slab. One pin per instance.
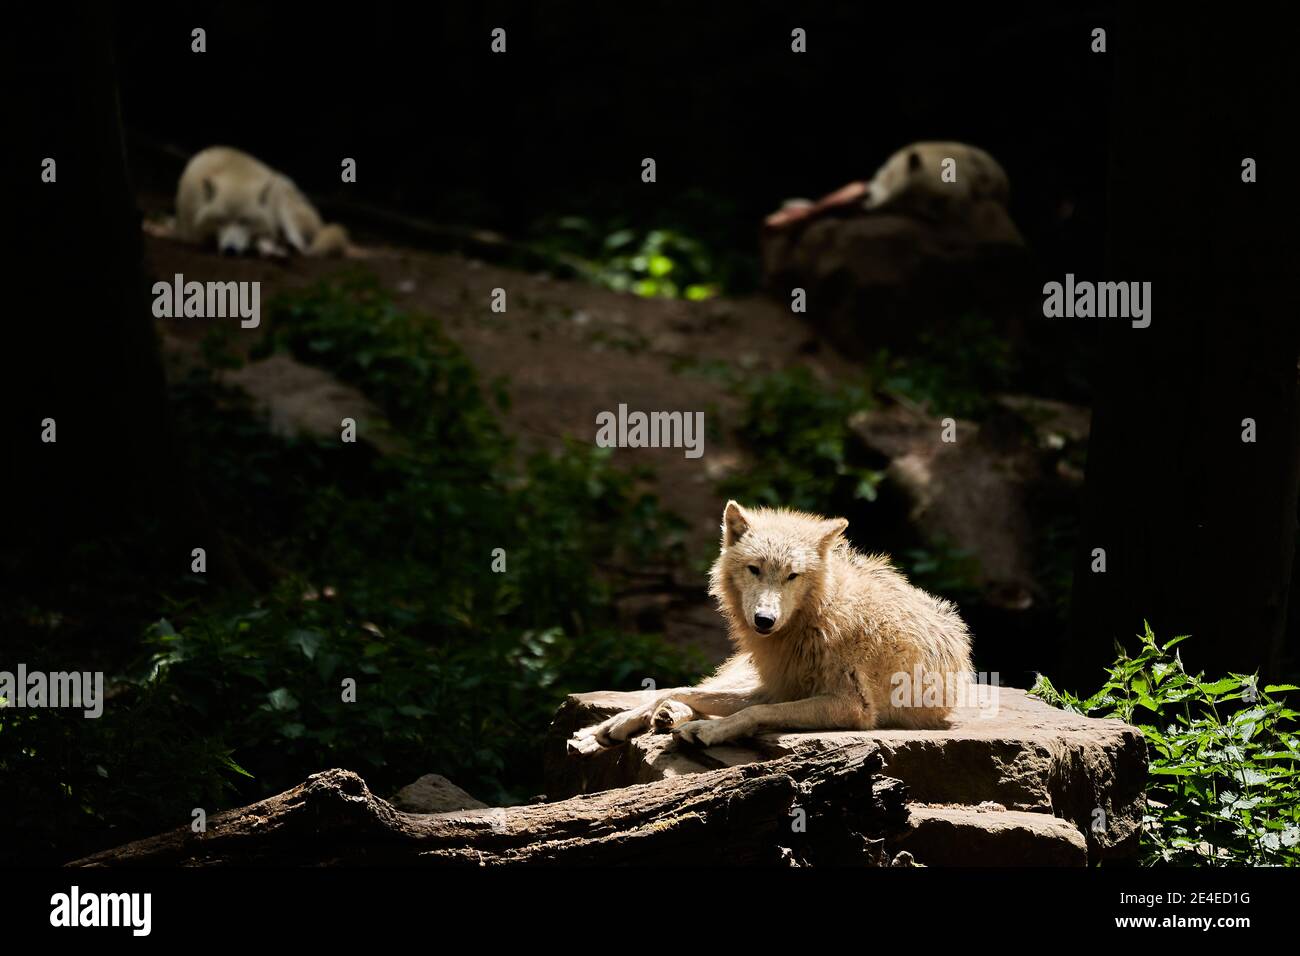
(1011, 751)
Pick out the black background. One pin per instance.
(442, 127)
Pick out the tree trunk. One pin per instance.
(81, 347)
(740, 815)
(1197, 525)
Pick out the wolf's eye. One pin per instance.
(793, 575)
(753, 569)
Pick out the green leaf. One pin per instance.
(281, 699)
(659, 266)
(229, 762)
(306, 641)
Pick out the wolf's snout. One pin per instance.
(763, 623)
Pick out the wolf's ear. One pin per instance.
(830, 530)
(264, 196)
(735, 522)
(209, 190)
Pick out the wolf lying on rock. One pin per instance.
(228, 199)
(827, 639)
(912, 181)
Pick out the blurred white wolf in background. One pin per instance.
(228, 198)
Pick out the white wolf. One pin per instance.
(911, 181)
(825, 636)
(229, 198)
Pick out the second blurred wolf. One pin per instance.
(231, 200)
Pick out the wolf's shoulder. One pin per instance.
(865, 563)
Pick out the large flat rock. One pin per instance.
(880, 277)
(1012, 750)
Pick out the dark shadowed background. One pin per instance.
(326, 560)
(442, 127)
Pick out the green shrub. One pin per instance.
(797, 432)
(653, 263)
(955, 367)
(73, 785)
(1224, 784)
(805, 456)
(943, 568)
(384, 576)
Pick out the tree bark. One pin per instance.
(737, 816)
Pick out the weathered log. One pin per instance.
(738, 815)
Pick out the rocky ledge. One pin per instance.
(1012, 781)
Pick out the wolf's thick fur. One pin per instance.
(911, 181)
(824, 636)
(229, 198)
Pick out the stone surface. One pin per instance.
(297, 399)
(434, 793)
(969, 494)
(1012, 750)
(972, 836)
(877, 278)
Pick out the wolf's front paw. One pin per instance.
(582, 743)
(622, 726)
(708, 733)
(270, 249)
(612, 732)
(669, 714)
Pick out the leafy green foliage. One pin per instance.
(654, 263)
(409, 366)
(384, 574)
(798, 431)
(73, 783)
(1224, 783)
(943, 568)
(955, 368)
(271, 676)
(661, 264)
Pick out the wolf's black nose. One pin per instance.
(229, 251)
(763, 623)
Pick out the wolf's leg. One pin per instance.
(691, 702)
(733, 687)
(289, 217)
(292, 233)
(669, 714)
(811, 713)
(854, 192)
(666, 711)
(612, 731)
(269, 248)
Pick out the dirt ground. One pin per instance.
(569, 350)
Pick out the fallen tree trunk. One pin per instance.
(738, 815)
